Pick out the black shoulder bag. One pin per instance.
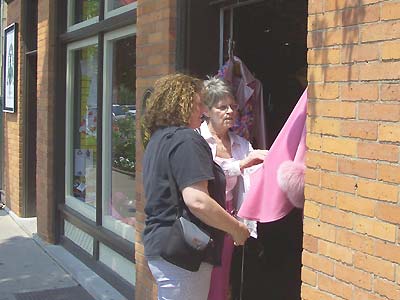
(186, 243)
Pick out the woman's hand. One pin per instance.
(240, 235)
(254, 158)
(210, 212)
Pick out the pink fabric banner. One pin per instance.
(265, 201)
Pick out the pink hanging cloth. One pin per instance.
(265, 201)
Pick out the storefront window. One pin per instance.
(119, 133)
(82, 10)
(81, 144)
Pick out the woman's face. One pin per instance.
(197, 111)
(223, 114)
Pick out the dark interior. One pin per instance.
(271, 39)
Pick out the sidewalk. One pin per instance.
(31, 269)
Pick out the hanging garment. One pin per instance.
(248, 92)
(265, 201)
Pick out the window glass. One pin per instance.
(120, 199)
(82, 10)
(114, 4)
(84, 125)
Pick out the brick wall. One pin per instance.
(13, 130)
(45, 116)
(155, 56)
(352, 210)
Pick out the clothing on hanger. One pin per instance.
(248, 91)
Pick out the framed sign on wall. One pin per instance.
(10, 68)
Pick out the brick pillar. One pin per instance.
(13, 124)
(155, 56)
(352, 209)
(45, 114)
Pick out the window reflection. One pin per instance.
(122, 204)
(85, 124)
(84, 10)
(114, 4)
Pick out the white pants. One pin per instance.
(175, 283)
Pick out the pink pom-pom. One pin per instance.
(291, 181)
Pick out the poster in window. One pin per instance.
(10, 68)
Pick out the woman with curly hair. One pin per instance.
(175, 150)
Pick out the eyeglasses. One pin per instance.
(224, 108)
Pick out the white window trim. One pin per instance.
(71, 26)
(117, 11)
(71, 201)
(124, 230)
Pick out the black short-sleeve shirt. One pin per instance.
(189, 158)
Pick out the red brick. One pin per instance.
(359, 129)
(335, 287)
(319, 230)
(377, 190)
(389, 173)
(389, 213)
(374, 228)
(381, 112)
(389, 133)
(336, 217)
(353, 276)
(390, 92)
(323, 91)
(325, 20)
(387, 251)
(357, 205)
(379, 71)
(374, 265)
(390, 10)
(342, 73)
(376, 151)
(360, 15)
(336, 109)
(312, 209)
(356, 167)
(324, 126)
(321, 160)
(339, 146)
(315, 6)
(359, 92)
(380, 31)
(386, 288)
(355, 241)
(308, 276)
(335, 251)
(360, 294)
(318, 263)
(320, 195)
(309, 293)
(340, 4)
(310, 243)
(390, 50)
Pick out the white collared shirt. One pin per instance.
(240, 148)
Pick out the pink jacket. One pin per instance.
(265, 201)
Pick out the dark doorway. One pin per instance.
(31, 11)
(270, 38)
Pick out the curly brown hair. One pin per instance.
(171, 103)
